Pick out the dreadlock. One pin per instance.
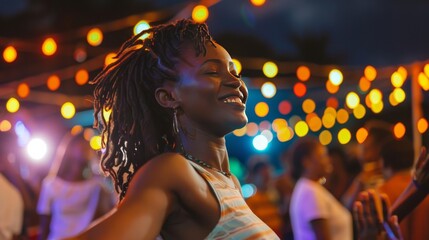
(138, 127)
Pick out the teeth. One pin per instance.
(232, 99)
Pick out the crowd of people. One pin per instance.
(173, 97)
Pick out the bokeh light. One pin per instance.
(94, 37)
(257, 3)
(252, 129)
(335, 77)
(403, 72)
(268, 135)
(331, 88)
(392, 99)
(76, 129)
(81, 77)
(237, 65)
(364, 84)
(106, 114)
(344, 136)
(37, 149)
(426, 69)
(200, 13)
(301, 128)
(375, 96)
(109, 59)
(399, 130)
(285, 107)
(12, 105)
(378, 107)
(299, 89)
(23, 90)
(359, 112)
(423, 81)
(53, 82)
(342, 116)
(80, 55)
(325, 137)
(49, 47)
(370, 73)
(285, 134)
(399, 95)
(261, 109)
(361, 135)
(328, 120)
(303, 73)
(397, 80)
(5, 125)
(141, 26)
(95, 142)
(422, 125)
(68, 110)
(240, 132)
(308, 106)
(264, 125)
(268, 89)
(10, 54)
(352, 100)
(260, 142)
(279, 123)
(315, 123)
(270, 69)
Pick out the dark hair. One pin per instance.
(139, 128)
(398, 154)
(380, 131)
(303, 148)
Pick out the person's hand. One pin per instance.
(421, 174)
(374, 223)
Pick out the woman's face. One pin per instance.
(210, 93)
(319, 162)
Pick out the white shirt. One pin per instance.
(72, 205)
(11, 210)
(311, 201)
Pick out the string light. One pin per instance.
(81, 77)
(237, 65)
(53, 82)
(257, 3)
(68, 110)
(325, 137)
(364, 84)
(352, 100)
(49, 47)
(270, 69)
(200, 13)
(344, 136)
(12, 105)
(397, 80)
(252, 129)
(423, 81)
(399, 130)
(361, 135)
(141, 26)
(10, 54)
(301, 128)
(335, 77)
(308, 106)
(370, 73)
(261, 109)
(299, 89)
(23, 90)
(422, 125)
(5, 125)
(303, 73)
(285, 107)
(268, 89)
(94, 37)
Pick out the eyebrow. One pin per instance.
(218, 61)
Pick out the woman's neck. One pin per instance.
(205, 147)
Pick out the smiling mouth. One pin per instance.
(234, 100)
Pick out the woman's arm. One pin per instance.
(145, 208)
(416, 191)
(321, 229)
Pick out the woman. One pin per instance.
(174, 96)
(71, 197)
(315, 213)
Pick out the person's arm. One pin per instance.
(321, 229)
(45, 222)
(416, 191)
(144, 209)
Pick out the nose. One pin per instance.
(233, 82)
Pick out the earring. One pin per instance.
(175, 122)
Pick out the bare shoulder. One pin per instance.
(167, 170)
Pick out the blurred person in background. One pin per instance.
(371, 176)
(398, 160)
(18, 199)
(285, 184)
(71, 196)
(345, 170)
(315, 213)
(265, 201)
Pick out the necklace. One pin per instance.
(206, 165)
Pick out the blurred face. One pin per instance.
(370, 151)
(319, 163)
(210, 91)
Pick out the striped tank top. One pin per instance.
(236, 221)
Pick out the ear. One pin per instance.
(165, 95)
